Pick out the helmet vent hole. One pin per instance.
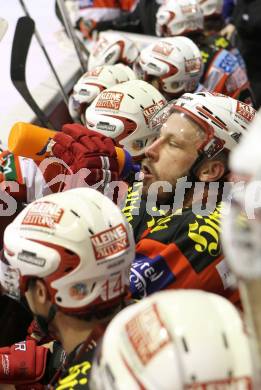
(58, 299)
(74, 213)
(205, 108)
(68, 269)
(204, 116)
(215, 123)
(71, 253)
(96, 205)
(220, 120)
(90, 230)
(185, 345)
(108, 57)
(132, 97)
(93, 286)
(225, 341)
(141, 106)
(243, 127)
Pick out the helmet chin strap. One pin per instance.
(44, 322)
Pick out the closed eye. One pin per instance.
(173, 144)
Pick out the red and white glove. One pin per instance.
(23, 362)
(29, 366)
(87, 153)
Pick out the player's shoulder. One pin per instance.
(166, 227)
(197, 219)
(218, 42)
(77, 373)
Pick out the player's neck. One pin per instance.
(71, 331)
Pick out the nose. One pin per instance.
(152, 151)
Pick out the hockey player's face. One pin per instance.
(172, 155)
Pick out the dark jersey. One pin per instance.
(178, 250)
(76, 371)
(77, 374)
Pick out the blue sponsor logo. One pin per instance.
(239, 57)
(226, 61)
(149, 275)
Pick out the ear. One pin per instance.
(40, 292)
(211, 170)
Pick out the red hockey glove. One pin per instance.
(23, 362)
(81, 148)
(29, 366)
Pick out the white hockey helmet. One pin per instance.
(223, 119)
(123, 112)
(211, 7)
(246, 159)
(92, 83)
(112, 48)
(184, 339)
(179, 17)
(174, 64)
(242, 218)
(78, 242)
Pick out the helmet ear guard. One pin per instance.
(123, 112)
(113, 48)
(114, 54)
(107, 124)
